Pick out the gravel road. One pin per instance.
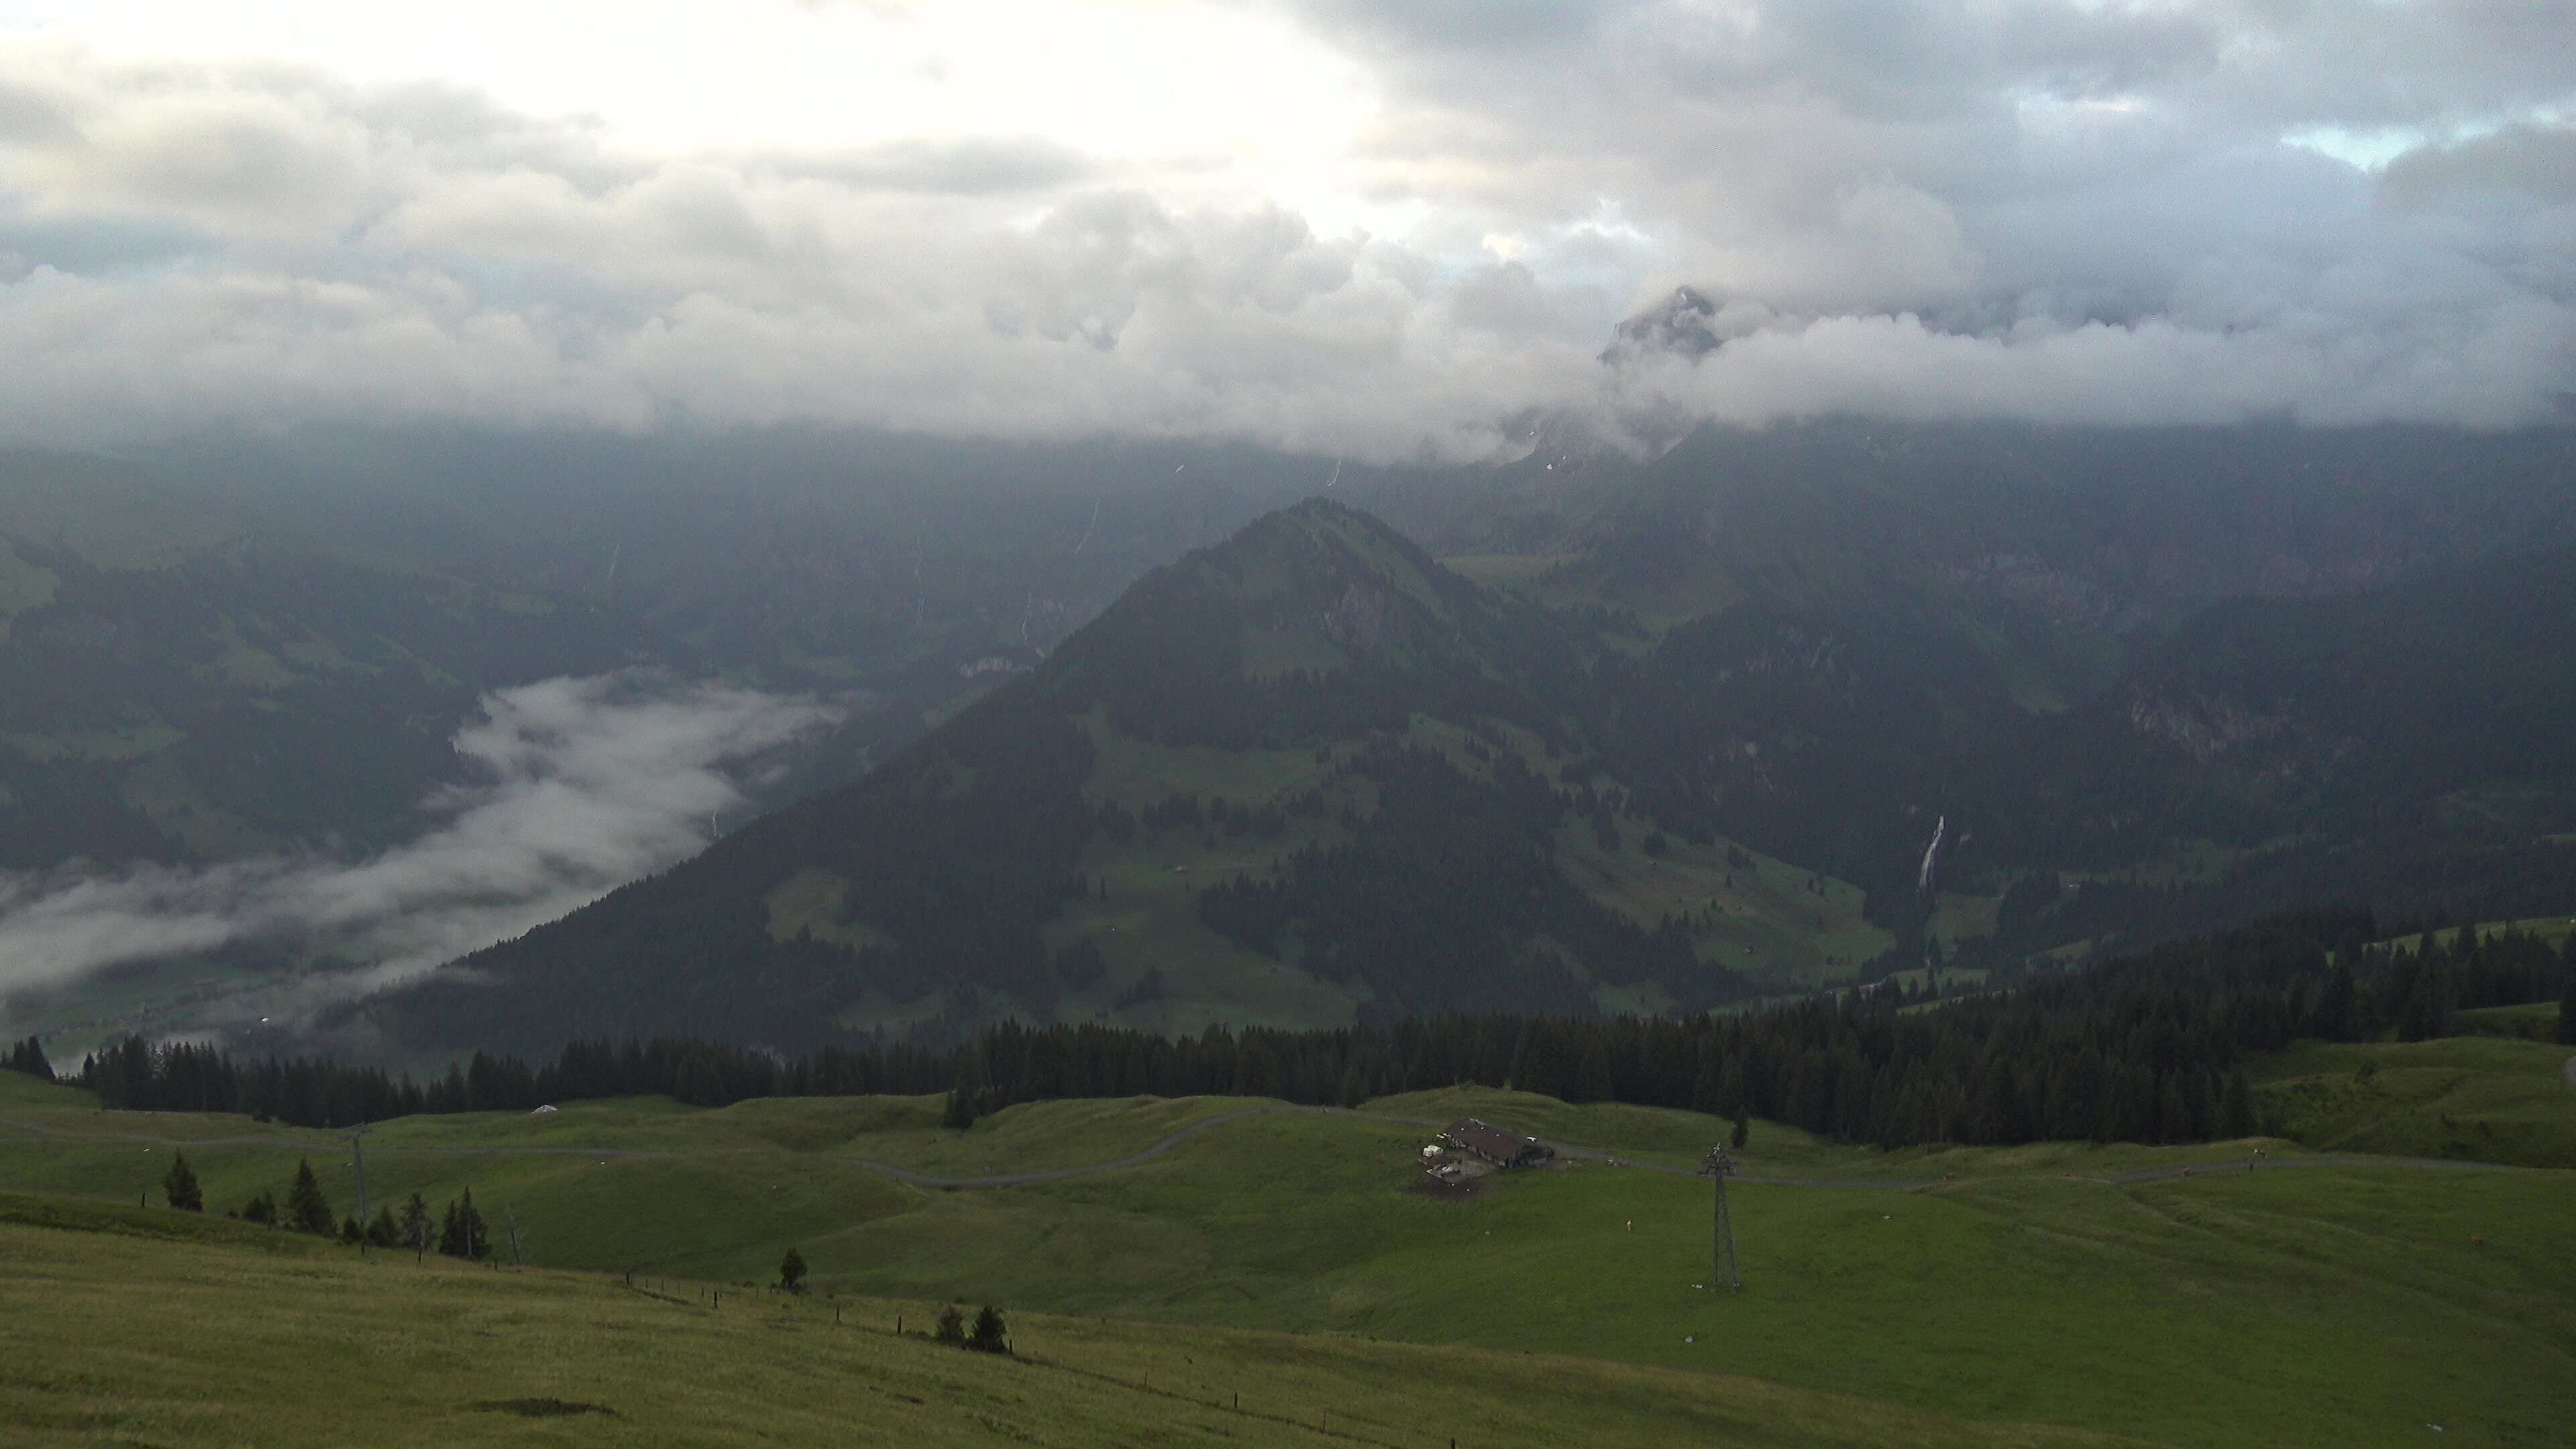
(1148, 1154)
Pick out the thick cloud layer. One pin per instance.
(585, 784)
(2054, 209)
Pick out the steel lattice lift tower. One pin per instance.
(358, 1160)
(1719, 1166)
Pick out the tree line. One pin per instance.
(461, 1231)
(27, 1056)
(2148, 1047)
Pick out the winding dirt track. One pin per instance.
(34, 1129)
(1595, 1154)
(1148, 1154)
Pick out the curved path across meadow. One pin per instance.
(38, 1129)
(1157, 1149)
(1566, 1149)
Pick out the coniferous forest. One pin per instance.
(2146, 1048)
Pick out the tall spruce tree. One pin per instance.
(415, 1225)
(959, 1112)
(307, 1210)
(2236, 1107)
(180, 1185)
(463, 1233)
(2333, 1018)
(990, 1334)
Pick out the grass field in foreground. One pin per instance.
(217, 1335)
(2321, 1306)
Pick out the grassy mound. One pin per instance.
(2487, 1099)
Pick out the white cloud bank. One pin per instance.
(1355, 229)
(584, 785)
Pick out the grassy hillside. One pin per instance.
(2532, 1021)
(2552, 929)
(318, 1347)
(2316, 1306)
(2491, 1099)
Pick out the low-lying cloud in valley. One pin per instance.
(581, 785)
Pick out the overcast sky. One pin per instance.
(1337, 226)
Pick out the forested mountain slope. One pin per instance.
(1311, 776)
(1302, 773)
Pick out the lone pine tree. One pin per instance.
(991, 1335)
(791, 1271)
(2236, 1107)
(415, 1225)
(181, 1186)
(307, 1210)
(462, 1232)
(959, 1113)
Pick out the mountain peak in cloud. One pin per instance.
(1680, 323)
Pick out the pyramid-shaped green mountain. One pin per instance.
(1305, 776)
(1312, 777)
